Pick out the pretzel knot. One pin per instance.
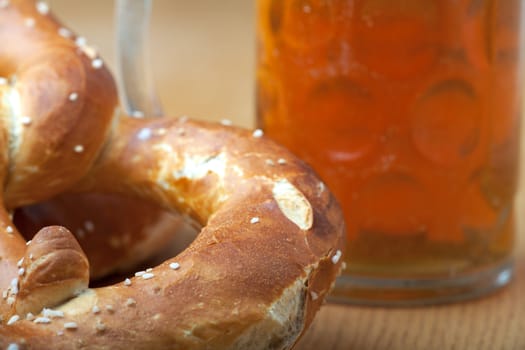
(270, 244)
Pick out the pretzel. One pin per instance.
(117, 233)
(253, 278)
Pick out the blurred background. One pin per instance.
(202, 52)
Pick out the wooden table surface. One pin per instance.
(203, 63)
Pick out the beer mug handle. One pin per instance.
(137, 92)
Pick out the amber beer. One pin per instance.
(410, 112)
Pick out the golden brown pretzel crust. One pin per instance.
(56, 111)
(253, 278)
(117, 232)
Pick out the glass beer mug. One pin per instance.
(410, 112)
